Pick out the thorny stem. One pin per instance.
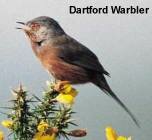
(28, 113)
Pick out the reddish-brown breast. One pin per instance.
(60, 69)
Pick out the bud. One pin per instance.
(42, 126)
(52, 130)
(7, 123)
(78, 133)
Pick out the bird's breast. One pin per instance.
(66, 72)
(60, 69)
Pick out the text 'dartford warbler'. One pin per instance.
(108, 10)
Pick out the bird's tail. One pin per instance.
(103, 85)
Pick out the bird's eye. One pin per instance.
(35, 26)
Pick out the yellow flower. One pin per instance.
(43, 136)
(1, 135)
(42, 126)
(66, 88)
(67, 95)
(7, 123)
(123, 138)
(112, 135)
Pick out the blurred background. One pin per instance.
(123, 44)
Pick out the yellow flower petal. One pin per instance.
(7, 123)
(38, 135)
(67, 95)
(111, 134)
(67, 88)
(42, 126)
(121, 138)
(1, 135)
(42, 136)
(73, 93)
(65, 98)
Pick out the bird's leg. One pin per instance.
(60, 84)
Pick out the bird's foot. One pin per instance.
(60, 84)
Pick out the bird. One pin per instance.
(66, 58)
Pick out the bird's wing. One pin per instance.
(77, 54)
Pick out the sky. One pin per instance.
(123, 44)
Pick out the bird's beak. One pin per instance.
(24, 28)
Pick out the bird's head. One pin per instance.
(41, 28)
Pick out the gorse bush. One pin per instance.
(48, 118)
(32, 118)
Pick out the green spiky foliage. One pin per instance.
(27, 113)
(56, 115)
(21, 116)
